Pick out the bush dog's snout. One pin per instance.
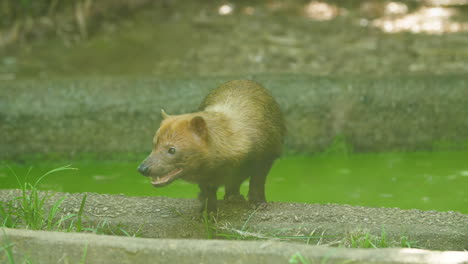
(144, 169)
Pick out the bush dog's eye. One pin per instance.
(171, 150)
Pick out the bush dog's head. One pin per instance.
(178, 149)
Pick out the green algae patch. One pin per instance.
(413, 180)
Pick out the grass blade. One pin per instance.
(80, 214)
(66, 167)
(53, 211)
(62, 220)
(7, 248)
(85, 253)
(248, 219)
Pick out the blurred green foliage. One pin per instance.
(13, 11)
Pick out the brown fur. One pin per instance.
(237, 133)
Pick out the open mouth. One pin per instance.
(159, 181)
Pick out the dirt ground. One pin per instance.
(160, 217)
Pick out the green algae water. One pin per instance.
(426, 181)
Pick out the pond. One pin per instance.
(419, 180)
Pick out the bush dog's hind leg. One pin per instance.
(258, 176)
(233, 186)
(207, 197)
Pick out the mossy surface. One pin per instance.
(118, 117)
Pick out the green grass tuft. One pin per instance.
(28, 210)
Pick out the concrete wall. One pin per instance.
(118, 117)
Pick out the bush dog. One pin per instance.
(237, 134)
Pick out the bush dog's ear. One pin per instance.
(164, 114)
(198, 125)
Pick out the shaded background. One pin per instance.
(57, 38)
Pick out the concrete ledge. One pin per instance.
(160, 217)
(56, 247)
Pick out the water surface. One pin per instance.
(427, 181)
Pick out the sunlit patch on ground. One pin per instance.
(395, 8)
(430, 20)
(321, 11)
(226, 9)
(446, 2)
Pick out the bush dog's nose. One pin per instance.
(143, 169)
